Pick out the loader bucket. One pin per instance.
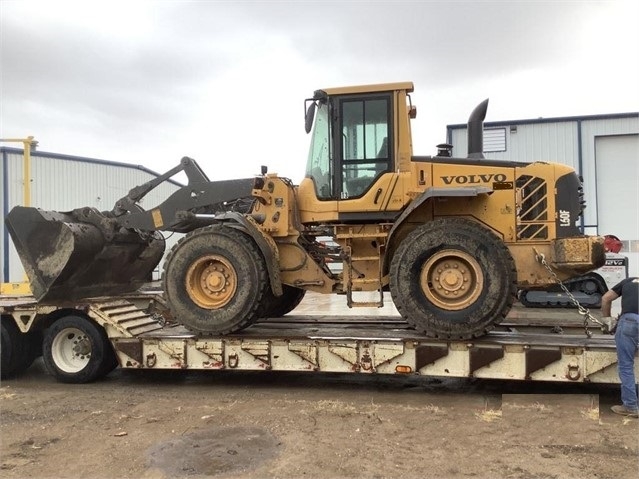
(67, 260)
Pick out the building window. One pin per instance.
(494, 140)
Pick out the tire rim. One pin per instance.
(211, 282)
(451, 279)
(71, 350)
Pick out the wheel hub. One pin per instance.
(451, 279)
(71, 350)
(82, 346)
(211, 281)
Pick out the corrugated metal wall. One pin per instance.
(557, 142)
(63, 183)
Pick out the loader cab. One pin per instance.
(357, 136)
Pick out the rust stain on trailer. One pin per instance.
(213, 365)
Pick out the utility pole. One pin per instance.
(28, 146)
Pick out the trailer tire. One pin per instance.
(76, 350)
(278, 306)
(453, 279)
(215, 279)
(18, 350)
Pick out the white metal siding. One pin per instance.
(617, 166)
(63, 184)
(459, 140)
(556, 142)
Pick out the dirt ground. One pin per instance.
(233, 424)
(239, 424)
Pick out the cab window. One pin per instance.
(319, 164)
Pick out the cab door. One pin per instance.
(364, 153)
(350, 169)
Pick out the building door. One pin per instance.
(617, 169)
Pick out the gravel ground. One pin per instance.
(163, 424)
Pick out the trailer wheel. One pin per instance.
(453, 279)
(276, 307)
(76, 350)
(215, 280)
(17, 349)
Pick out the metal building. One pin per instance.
(63, 183)
(603, 149)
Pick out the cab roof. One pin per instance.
(379, 87)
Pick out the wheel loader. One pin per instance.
(452, 239)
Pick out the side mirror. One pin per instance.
(310, 116)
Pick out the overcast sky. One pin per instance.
(147, 82)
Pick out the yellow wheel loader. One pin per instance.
(453, 239)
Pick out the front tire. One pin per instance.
(215, 280)
(76, 350)
(453, 279)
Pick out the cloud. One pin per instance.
(148, 82)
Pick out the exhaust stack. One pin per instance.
(476, 130)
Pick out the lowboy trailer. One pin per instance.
(87, 340)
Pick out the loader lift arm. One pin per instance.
(177, 212)
(189, 166)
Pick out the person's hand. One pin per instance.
(609, 324)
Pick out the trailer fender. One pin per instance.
(435, 192)
(264, 242)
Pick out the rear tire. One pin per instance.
(215, 280)
(76, 350)
(453, 279)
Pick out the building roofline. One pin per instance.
(81, 159)
(559, 119)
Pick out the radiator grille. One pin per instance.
(532, 212)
